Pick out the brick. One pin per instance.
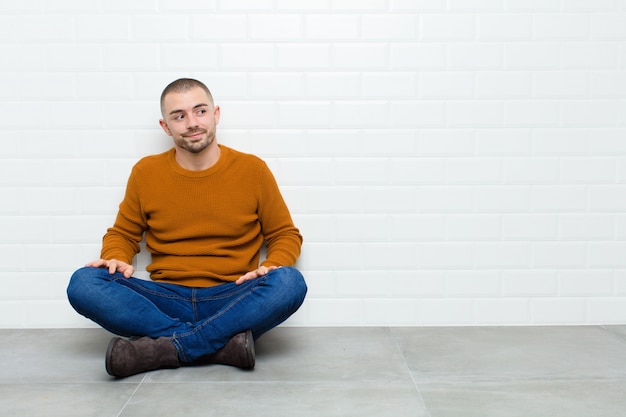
(412, 171)
(589, 5)
(349, 227)
(133, 57)
(605, 310)
(608, 26)
(471, 228)
(561, 26)
(561, 84)
(389, 27)
(559, 198)
(360, 171)
(505, 85)
(554, 311)
(246, 114)
(219, 27)
(607, 254)
(560, 141)
(417, 113)
(503, 142)
(246, 5)
(446, 142)
(559, 255)
(416, 227)
(473, 171)
(505, 27)
(305, 114)
(359, 5)
(610, 84)
(333, 85)
(502, 255)
(417, 5)
(588, 170)
(450, 311)
(590, 113)
(445, 255)
(446, 85)
(505, 199)
(529, 227)
(475, 113)
(585, 283)
(531, 170)
(525, 283)
(411, 56)
(533, 56)
(361, 56)
(445, 199)
(269, 27)
(447, 27)
(356, 114)
(533, 5)
(156, 28)
(273, 86)
(502, 311)
(188, 5)
(389, 85)
(396, 312)
(465, 284)
(45, 28)
(388, 199)
(313, 56)
(246, 56)
(332, 142)
(590, 55)
(389, 255)
(331, 27)
(532, 113)
(103, 28)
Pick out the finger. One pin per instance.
(246, 277)
(95, 264)
(128, 271)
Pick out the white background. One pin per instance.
(449, 162)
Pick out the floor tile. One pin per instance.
(53, 355)
(276, 399)
(310, 354)
(64, 400)
(491, 353)
(546, 398)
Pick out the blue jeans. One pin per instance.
(200, 321)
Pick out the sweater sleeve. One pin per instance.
(282, 238)
(122, 240)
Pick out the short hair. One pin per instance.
(183, 85)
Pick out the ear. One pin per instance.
(216, 114)
(165, 128)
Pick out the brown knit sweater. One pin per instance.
(203, 228)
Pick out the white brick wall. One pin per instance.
(449, 162)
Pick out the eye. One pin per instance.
(179, 117)
(201, 111)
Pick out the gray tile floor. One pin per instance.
(396, 372)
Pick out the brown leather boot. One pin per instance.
(129, 357)
(239, 352)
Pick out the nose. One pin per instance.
(192, 123)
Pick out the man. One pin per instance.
(205, 211)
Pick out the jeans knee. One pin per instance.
(293, 280)
(81, 284)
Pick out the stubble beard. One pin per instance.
(196, 146)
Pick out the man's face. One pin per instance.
(190, 118)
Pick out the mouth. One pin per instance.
(194, 135)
